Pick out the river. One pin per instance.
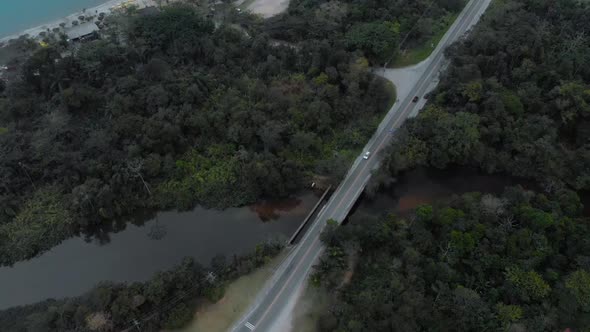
(423, 186)
(137, 251)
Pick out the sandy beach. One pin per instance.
(264, 8)
(104, 8)
(268, 8)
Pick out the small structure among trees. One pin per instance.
(82, 31)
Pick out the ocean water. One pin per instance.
(19, 15)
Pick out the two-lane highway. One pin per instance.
(292, 273)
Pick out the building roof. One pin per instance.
(81, 30)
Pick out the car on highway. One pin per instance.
(415, 99)
(367, 154)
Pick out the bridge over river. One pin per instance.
(283, 288)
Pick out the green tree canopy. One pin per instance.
(377, 39)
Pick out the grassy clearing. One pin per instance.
(390, 87)
(418, 54)
(219, 317)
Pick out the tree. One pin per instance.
(157, 230)
(179, 317)
(135, 167)
(99, 321)
(424, 213)
(378, 40)
(508, 314)
(529, 283)
(42, 223)
(578, 283)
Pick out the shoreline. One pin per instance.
(102, 8)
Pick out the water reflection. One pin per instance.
(135, 251)
(157, 230)
(423, 186)
(271, 210)
(100, 234)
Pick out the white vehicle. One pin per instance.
(367, 154)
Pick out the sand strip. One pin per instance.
(104, 8)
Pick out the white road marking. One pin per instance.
(322, 209)
(249, 326)
(424, 78)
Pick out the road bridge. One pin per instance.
(286, 283)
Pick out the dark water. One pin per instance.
(423, 186)
(137, 252)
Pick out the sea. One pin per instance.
(19, 15)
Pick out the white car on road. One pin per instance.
(367, 154)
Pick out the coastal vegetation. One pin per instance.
(182, 113)
(375, 27)
(178, 108)
(175, 109)
(514, 101)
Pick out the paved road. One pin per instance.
(292, 273)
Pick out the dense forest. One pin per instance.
(168, 300)
(514, 100)
(519, 262)
(182, 108)
(376, 27)
(182, 113)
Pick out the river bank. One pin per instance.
(219, 316)
(412, 189)
(427, 185)
(168, 300)
(139, 249)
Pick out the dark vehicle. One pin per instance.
(415, 99)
